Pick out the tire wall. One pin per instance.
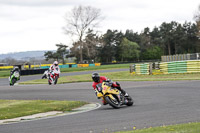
(142, 68)
(189, 66)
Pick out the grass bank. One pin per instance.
(17, 108)
(102, 67)
(6, 73)
(180, 128)
(121, 76)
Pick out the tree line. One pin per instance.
(167, 39)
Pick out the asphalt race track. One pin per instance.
(157, 103)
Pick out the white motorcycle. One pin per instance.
(52, 76)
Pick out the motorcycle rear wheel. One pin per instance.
(114, 103)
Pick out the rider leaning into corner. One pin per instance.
(14, 70)
(54, 66)
(99, 79)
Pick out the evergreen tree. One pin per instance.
(129, 50)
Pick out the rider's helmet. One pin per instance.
(55, 63)
(95, 77)
(16, 68)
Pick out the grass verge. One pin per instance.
(121, 76)
(17, 108)
(102, 67)
(6, 73)
(180, 128)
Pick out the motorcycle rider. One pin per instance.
(54, 66)
(99, 79)
(16, 68)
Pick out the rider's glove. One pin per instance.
(95, 91)
(109, 81)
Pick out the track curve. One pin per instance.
(156, 103)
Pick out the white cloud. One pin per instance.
(37, 24)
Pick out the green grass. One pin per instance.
(102, 67)
(121, 76)
(6, 73)
(17, 108)
(180, 128)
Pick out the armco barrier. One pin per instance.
(91, 65)
(74, 65)
(32, 71)
(6, 67)
(83, 65)
(64, 66)
(46, 66)
(97, 64)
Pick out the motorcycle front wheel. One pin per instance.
(13, 81)
(113, 102)
(55, 80)
(49, 82)
(130, 101)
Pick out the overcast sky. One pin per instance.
(27, 25)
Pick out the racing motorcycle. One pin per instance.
(112, 96)
(14, 78)
(52, 76)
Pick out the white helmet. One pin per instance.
(55, 63)
(16, 68)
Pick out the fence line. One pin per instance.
(180, 57)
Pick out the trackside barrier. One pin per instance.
(74, 65)
(32, 71)
(189, 66)
(83, 65)
(141, 68)
(193, 66)
(64, 66)
(91, 65)
(46, 66)
(6, 67)
(97, 64)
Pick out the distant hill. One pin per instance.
(25, 55)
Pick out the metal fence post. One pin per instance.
(150, 68)
(131, 68)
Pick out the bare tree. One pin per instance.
(197, 19)
(79, 20)
(197, 14)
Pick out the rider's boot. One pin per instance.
(104, 102)
(123, 91)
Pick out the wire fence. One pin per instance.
(180, 57)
